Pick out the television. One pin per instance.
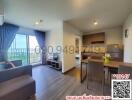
(55, 56)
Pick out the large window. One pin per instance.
(18, 49)
(24, 48)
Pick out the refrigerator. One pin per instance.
(115, 51)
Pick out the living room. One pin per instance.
(46, 47)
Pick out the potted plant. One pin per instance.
(106, 58)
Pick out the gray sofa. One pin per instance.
(5, 65)
(17, 83)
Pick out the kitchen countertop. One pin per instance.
(112, 64)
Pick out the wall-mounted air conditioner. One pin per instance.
(1, 19)
(1, 12)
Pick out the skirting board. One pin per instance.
(69, 70)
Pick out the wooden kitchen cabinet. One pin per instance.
(98, 38)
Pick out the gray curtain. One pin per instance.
(7, 35)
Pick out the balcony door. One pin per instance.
(34, 52)
(25, 48)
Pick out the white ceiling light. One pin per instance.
(36, 23)
(39, 22)
(95, 23)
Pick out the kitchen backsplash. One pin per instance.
(97, 48)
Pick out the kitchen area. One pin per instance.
(95, 46)
(97, 49)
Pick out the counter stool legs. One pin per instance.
(81, 73)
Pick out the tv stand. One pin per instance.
(54, 64)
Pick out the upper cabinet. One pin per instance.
(97, 38)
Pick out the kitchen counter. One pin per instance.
(111, 64)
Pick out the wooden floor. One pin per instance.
(53, 85)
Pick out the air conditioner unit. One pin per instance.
(1, 19)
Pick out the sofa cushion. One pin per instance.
(11, 73)
(10, 64)
(4, 66)
(15, 84)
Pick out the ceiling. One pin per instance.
(80, 13)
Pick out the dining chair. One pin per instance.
(110, 72)
(113, 70)
(125, 70)
(95, 72)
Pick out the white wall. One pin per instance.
(69, 36)
(62, 35)
(128, 41)
(113, 35)
(54, 38)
